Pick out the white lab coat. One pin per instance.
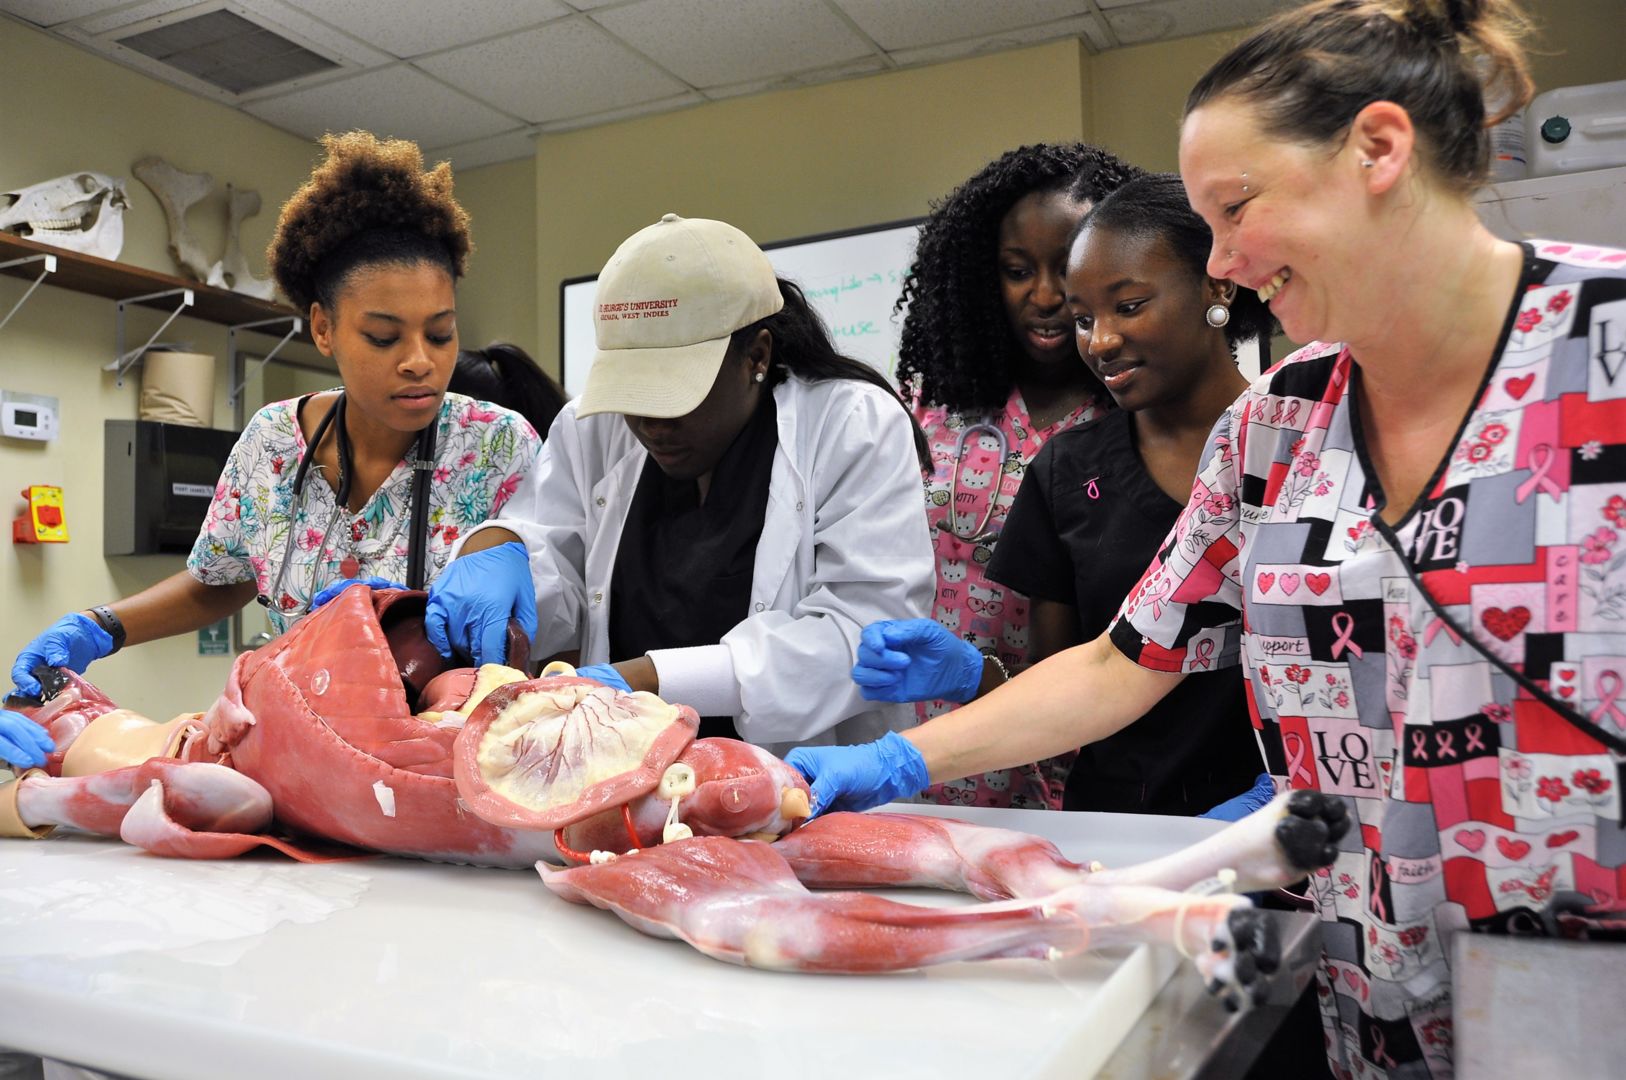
(844, 543)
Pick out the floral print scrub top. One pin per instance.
(981, 611)
(1456, 678)
(482, 451)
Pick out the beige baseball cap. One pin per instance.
(667, 302)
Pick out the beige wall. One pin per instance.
(497, 302)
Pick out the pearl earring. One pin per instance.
(759, 377)
(1368, 164)
(1218, 315)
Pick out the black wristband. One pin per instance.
(111, 623)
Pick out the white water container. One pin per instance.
(1575, 128)
(1508, 160)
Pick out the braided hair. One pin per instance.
(957, 346)
(370, 203)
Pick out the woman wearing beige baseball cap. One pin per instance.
(729, 502)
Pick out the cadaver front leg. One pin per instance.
(1297, 833)
(739, 901)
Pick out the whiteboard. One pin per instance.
(852, 279)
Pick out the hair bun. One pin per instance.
(365, 185)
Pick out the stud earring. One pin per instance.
(759, 377)
(1217, 315)
(1368, 164)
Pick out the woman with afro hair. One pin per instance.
(987, 356)
(370, 248)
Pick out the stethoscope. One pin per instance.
(422, 462)
(951, 524)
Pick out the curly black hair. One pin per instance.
(369, 203)
(957, 347)
(1155, 205)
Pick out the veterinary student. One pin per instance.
(504, 374)
(1097, 500)
(1409, 532)
(987, 359)
(321, 488)
(729, 502)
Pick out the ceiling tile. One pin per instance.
(1085, 26)
(412, 27)
(51, 12)
(314, 33)
(1163, 19)
(114, 16)
(565, 69)
(395, 101)
(855, 69)
(904, 26)
(717, 42)
(508, 146)
(646, 108)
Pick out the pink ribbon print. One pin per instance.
(1343, 624)
(1380, 1048)
(1542, 460)
(1609, 686)
(1374, 899)
(1297, 754)
(1433, 629)
(1205, 653)
(1158, 594)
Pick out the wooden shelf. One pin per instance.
(120, 281)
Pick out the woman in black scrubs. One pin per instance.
(1159, 333)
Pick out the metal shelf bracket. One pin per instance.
(50, 268)
(296, 325)
(123, 360)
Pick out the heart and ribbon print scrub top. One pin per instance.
(1469, 734)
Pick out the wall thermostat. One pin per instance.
(27, 416)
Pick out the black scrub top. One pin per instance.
(1086, 523)
(683, 569)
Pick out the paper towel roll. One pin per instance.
(178, 388)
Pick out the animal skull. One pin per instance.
(82, 211)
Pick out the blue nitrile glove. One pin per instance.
(604, 673)
(344, 583)
(73, 641)
(1254, 798)
(473, 599)
(862, 776)
(23, 743)
(915, 660)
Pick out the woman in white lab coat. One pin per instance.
(729, 502)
